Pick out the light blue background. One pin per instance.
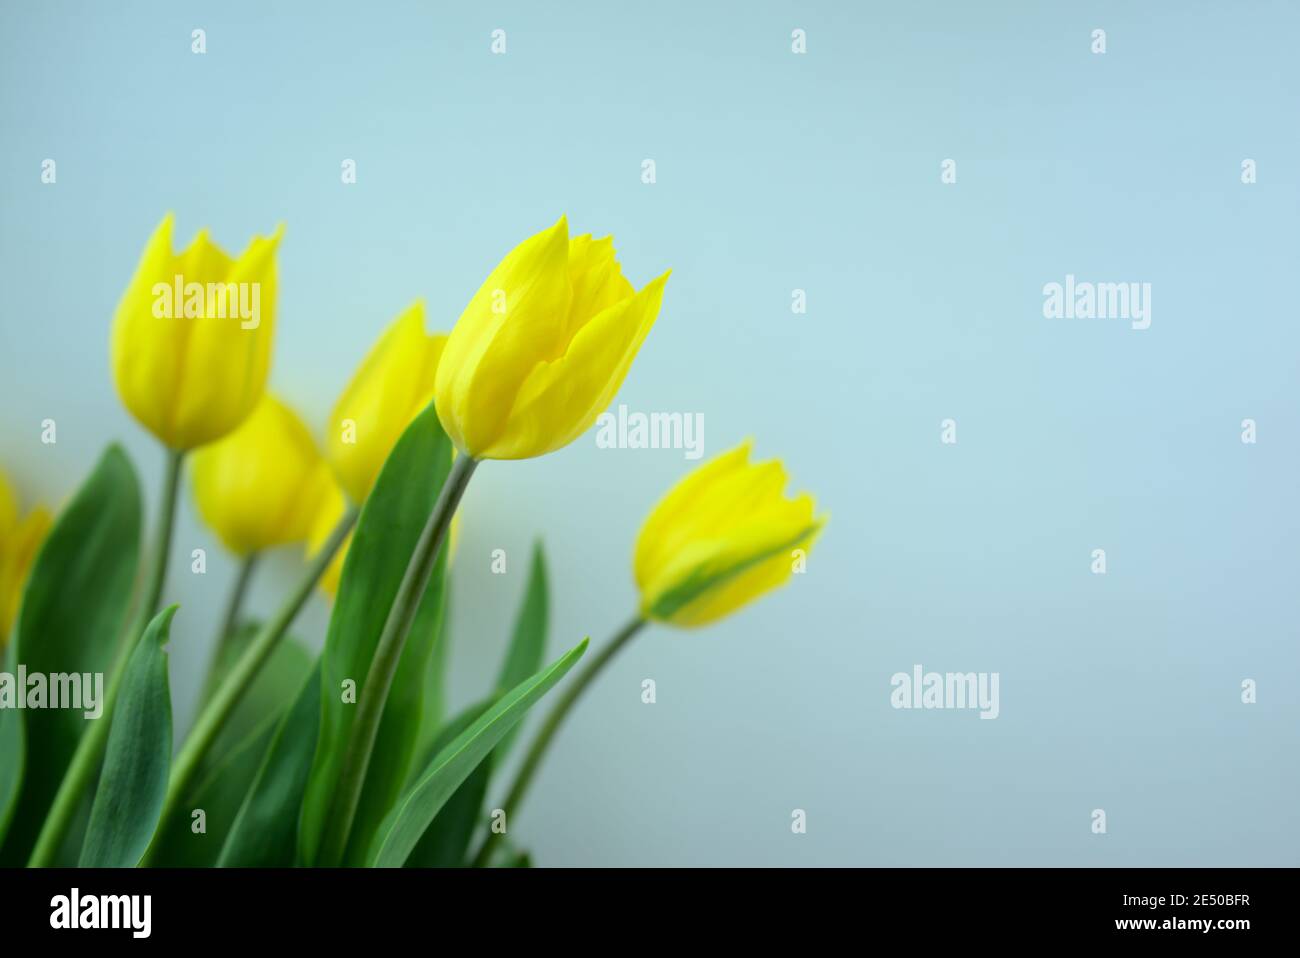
(775, 172)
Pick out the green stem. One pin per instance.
(229, 618)
(162, 545)
(524, 777)
(374, 694)
(240, 677)
(90, 749)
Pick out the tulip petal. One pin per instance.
(19, 541)
(8, 507)
(20, 548)
(518, 318)
(595, 277)
(227, 357)
(670, 519)
(390, 388)
(560, 399)
(331, 506)
(146, 349)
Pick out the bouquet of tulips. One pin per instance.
(345, 758)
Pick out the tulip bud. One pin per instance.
(192, 337)
(543, 347)
(390, 388)
(259, 487)
(20, 539)
(720, 538)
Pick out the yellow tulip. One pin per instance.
(720, 538)
(260, 486)
(192, 337)
(390, 388)
(542, 348)
(19, 541)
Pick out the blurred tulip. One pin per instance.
(331, 507)
(19, 541)
(720, 538)
(191, 343)
(390, 388)
(543, 347)
(260, 486)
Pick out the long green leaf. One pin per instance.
(446, 841)
(387, 529)
(435, 677)
(447, 838)
(73, 609)
(527, 648)
(181, 843)
(268, 696)
(265, 832)
(528, 644)
(232, 763)
(137, 759)
(402, 829)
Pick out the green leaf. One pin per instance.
(12, 757)
(435, 678)
(73, 610)
(446, 841)
(228, 770)
(447, 838)
(219, 795)
(387, 530)
(265, 832)
(404, 826)
(267, 698)
(137, 759)
(528, 644)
